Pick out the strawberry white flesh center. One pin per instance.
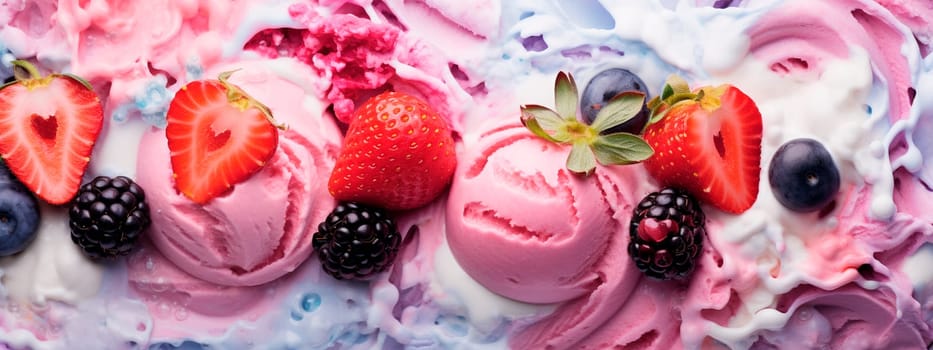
(218, 130)
(715, 134)
(720, 147)
(47, 134)
(46, 128)
(215, 143)
(217, 140)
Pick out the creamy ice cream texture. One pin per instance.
(527, 228)
(501, 262)
(262, 229)
(754, 278)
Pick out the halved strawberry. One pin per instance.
(48, 127)
(707, 142)
(218, 136)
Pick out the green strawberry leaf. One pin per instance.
(23, 70)
(621, 148)
(620, 109)
(588, 146)
(678, 85)
(531, 123)
(581, 159)
(549, 120)
(680, 96)
(667, 91)
(676, 90)
(654, 102)
(668, 104)
(656, 117)
(566, 96)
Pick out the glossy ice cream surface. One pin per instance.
(520, 253)
(262, 229)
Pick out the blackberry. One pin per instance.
(107, 217)
(666, 234)
(356, 241)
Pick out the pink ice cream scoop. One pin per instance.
(262, 228)
(525, 227)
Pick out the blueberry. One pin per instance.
(19, 217)
(606, 85)
(803, 176)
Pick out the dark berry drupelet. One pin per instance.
(356, 241)
(666, 234)
(107, 217)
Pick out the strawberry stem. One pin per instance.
(24, 65)
(242, 100)
(676, 91)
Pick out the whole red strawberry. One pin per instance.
(219, 136)
(398, 154)
(708, 142)
(48, 127)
